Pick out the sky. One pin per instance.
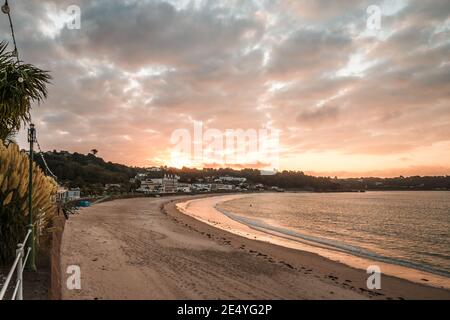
(347, 99)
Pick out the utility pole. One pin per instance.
(32, 258)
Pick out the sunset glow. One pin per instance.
(348, 101)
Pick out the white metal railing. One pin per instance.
(18, 266)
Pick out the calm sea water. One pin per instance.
(405, 228)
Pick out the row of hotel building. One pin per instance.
(170, 184)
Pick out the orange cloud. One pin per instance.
(344, 100)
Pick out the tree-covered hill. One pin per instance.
(79, 170)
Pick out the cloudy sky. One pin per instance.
(347, 100)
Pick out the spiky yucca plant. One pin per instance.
(20, 85)
(13, 199)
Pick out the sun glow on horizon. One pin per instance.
(347, 98)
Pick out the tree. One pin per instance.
(20, 85)
(94, 152)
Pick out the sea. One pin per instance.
(406, 228)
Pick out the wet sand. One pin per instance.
(147, 249)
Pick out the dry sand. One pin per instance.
(146, 249)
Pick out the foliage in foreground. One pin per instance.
(20, 84)
(14, 166)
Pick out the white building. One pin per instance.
(74, 194)
(151, 185)
(170, 183)
(64, 195)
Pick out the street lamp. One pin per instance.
(31, 140)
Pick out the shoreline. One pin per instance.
(145, 248)
(394, 275)
(272, 234)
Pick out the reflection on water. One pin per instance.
(405, 228)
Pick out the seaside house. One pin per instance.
(151, 186)
(170, 183)
(64, 195)
(74, 194)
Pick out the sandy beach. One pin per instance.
(147, 249)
